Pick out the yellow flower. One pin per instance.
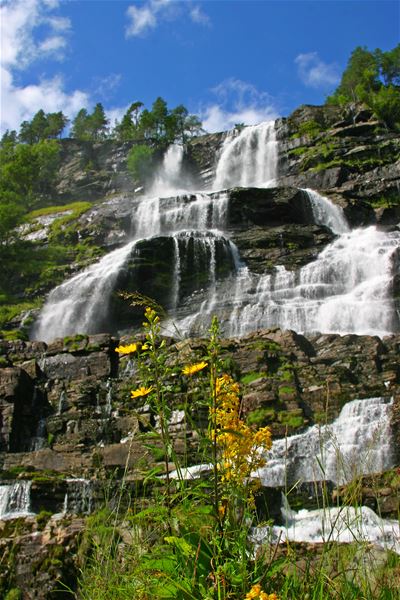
(142, 391)
(130, 349)
(256, 593)
(192, 369)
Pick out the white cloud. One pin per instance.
(52, 44)
(116, 114)
(147, 16)
(20, 103)
(30, 32)
(315, 73)
(237, 102)
(198, 16)
(18, 20)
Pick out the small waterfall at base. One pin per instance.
(343, 524)
(15, 500)
(249, 158)
(358, 442)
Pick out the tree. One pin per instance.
(80, 129)
(98, 123)
(140, 161)
(389, 65)
(128, 129)
(26, 133)
(159, 112)
(56, 122)
(372, 78)
(362, 69)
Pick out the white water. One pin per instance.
(249, 158)
(347, 289)
(339, 524)
(15, 500)
(358, 442)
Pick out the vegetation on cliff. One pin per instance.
(372, 78)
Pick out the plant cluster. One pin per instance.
(199, 528)
(372, 78)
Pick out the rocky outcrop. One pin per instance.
(39, 556)
(288, 381)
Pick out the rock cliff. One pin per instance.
(67, 425)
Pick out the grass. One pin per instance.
(175, 545)
(188, 540)
(77, 208)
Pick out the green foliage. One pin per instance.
(42, 127)
(14, 594)
(372, 78)
(28, 172)
(253, 376)
(309, 128)
(90, 127)
(261, 416)
(77, 209)
(159, 126)
(140, 162)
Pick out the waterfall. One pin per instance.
(249, 158)
(358, 442)
(79, 496)
(15, 500)
(344, 524)
(326, 213)
(347, 289)
(170, 178)
(80, 304)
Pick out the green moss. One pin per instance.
(261, 416)
(75, 207)
(292, 419)
(300, 151)
(253, 376)
(14, 334)
(42, 518)
(14, 594)
(11, 311)
(386, 201)
(310, 128)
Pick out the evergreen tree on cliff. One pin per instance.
(374, 79)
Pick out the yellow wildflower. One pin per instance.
(192, 369)
(130, 349)
(256, 593)
(240, 449)
(142, 391)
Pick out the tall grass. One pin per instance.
(192, 538)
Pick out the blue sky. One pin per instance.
(228, 61)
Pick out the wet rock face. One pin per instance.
(288, 381)
(19, 406)
(46, 560)
(92, 426)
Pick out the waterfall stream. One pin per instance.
(357, 443)
(346, 289)
(15, 500)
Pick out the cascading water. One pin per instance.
(347, 289)
(81, 304)
(249, 158)
(358, 442)
(339, 524)
(15, 500)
